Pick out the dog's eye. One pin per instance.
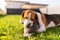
(26, 18)
(32, 19)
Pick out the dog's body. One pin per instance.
(41, 21)
(55, 18)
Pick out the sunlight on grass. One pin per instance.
(11, 29)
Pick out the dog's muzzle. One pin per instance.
(21, 21)
(29, 27)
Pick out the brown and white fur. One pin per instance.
(44, 21)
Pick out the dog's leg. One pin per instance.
(42, 26)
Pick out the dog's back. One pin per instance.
(54, 17)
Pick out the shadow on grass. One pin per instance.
(52, 32)
(22, 33)
(37, 36)
(1, 16)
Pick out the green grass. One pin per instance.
(11, 29)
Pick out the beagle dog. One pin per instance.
(38, 22)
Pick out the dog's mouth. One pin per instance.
(30, 31)
(30, 28)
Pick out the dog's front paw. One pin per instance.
(41, 30)
(27, 35)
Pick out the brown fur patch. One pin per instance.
(44, 19)
(25, 14)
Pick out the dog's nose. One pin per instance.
(28, 25)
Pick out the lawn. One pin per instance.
(11, 29)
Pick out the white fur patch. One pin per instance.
(51, 24)
(42, 26)
(59, 24)
(30, 15)
(27, 35)
(27, 21)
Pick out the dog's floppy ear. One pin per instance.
(23, 14)
(21, 20)
(36, 17)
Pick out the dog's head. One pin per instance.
(30, 22)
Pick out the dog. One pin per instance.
(38, 22)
